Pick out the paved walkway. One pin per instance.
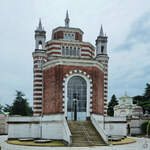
(141, 144)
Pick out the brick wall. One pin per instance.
(78, 36)
(52, 88)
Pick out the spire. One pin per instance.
(101, 31)
(39, 28)
(67, 20)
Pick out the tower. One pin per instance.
(102, 57)
(40, 37)
(39, 57)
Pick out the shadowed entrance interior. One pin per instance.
(77, 98)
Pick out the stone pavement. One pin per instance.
(141, 144)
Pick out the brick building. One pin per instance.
(70, 75)
(70, 83)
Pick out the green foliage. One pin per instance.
(137, 99)
(7, 108)
(113, 102)
(1, 107)
(143, 100)
(20, 106)
(144, 127)
(147, 92)
(148, 128)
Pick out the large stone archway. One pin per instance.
(69, 97)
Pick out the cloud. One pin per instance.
(129, 64)
(18, 22)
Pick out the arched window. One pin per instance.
(40, 45)
(77, 98)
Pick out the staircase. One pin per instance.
(84, 134)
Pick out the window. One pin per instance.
(70, 51)
(77, 89)
(102, 49)
(78, 51)
(74, 51)
(40, 45)
(69, 36)
(63, 50)
(67, 51)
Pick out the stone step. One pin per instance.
(84, 134)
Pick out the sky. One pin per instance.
(126, 23)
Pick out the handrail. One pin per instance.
(99, 129)
(67, 131)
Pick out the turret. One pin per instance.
(40, 37)
(102, 57)
(39, 58)
(101, 43)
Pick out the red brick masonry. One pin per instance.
(53, 84)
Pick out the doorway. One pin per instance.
(77, 98)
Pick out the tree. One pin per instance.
(7, 108)
(147, 92)
(148, 128)
(20, 106)
(143, 100)
(111, 104)
(144, 127)
(1, 107)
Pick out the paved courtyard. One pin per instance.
(141, 144)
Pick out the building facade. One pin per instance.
(70, 75)
(127, 108)
(70, 83)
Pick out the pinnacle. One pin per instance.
(67, 20)
(101, 31)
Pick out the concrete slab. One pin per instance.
(141, 144)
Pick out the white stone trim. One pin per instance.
(38, 78)
(86, 48)
(82, 52)
(37, 87)
(38, 105)
(37, 69)
(74, 62)
(37, 92)
(85, 56)
(36, 63)
(105, 81)
(37, 101)
(53, 46)
(37, 96)
(53, 50)
(37, 83)
(37, 73)
(105, 90)
(40, 110)
(36, 114)
(89, 89)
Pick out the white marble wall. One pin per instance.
(49, 127)
(3, 124)
(116, 126)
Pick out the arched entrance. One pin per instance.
(77, 98)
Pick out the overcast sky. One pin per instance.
(126, 23)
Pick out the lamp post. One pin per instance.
(75, 108)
